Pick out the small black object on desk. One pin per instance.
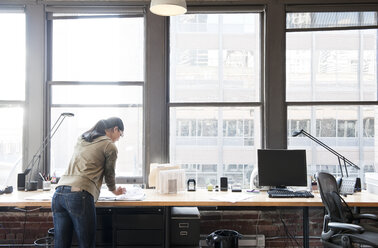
(31, 186)
(6, 190)
(223, 184)
(191, 184)
(236, 188)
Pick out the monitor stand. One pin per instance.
(281, 187)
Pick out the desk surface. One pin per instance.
(197, 198)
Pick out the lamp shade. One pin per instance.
(168, 7)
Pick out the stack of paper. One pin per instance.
(40, 197)
(233, 197)
(133, 193)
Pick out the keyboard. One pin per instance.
(279, 193)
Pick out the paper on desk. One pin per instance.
(132, 194)
(234, 197)
(40, 197)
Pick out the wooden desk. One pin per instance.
(200, 198)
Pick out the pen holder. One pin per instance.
(46, 185)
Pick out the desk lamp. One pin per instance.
(338, 155)
(32, 185)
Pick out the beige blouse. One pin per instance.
(90, 163)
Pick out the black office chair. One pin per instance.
(339, 227)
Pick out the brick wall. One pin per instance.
(23, 227)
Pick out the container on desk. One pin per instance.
(31, 185)
(171, 181)
(46, 185)
(372, 182)
(185, 226)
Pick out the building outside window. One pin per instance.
(214, 98)
(97, 71)
(335, 91)
(12, 93)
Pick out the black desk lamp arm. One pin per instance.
(46, 141)
(339, 156)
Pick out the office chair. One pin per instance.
(339, 229)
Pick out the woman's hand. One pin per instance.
(119, 191)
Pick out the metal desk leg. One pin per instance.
(306, 239)
(357, 210)
(167, 231)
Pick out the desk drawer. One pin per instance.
(140, 237)
(185, 232)
(140, 218)
(140, 221)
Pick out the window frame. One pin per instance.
(12, 103)
(331, 103)
(260, 9)
(122, 12)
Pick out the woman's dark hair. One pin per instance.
(100, 127)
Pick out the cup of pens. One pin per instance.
(46, 183)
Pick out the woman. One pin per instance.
(73, 203)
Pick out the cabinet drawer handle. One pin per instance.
(183, 225)
(183, 233)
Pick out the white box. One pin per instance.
(171, 181)
(155, 169)
(371, 180)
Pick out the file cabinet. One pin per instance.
(185, 227)
(140, 227)
(130, 227)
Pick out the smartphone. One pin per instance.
(223, 184)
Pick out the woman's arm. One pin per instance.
(109, 170)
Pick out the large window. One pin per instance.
(215, 102)
(97, 72)
(12, 93)
(331, 86)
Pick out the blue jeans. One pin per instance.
(73, 211)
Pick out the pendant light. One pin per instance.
(168, 7)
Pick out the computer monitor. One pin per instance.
(281, 168)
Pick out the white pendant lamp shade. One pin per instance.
(168, 7)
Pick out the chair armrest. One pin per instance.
(346, 226)
(365, 216)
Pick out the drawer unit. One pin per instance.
(140, 227)
(185, 226)
(138, 219)
(130, 227)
